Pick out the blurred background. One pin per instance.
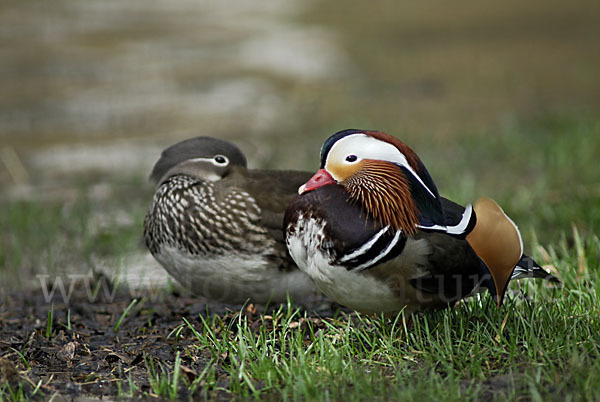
(498, 98)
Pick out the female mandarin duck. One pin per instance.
(372, 231)
(216, 226)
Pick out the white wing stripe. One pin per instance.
(457, 229)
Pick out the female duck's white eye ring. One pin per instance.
(221, 160)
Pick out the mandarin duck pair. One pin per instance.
(368, 229)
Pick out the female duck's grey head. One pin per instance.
(203, 157)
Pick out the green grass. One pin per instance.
(67, 236)
(163, 382)
(122, 317)
(541, 171)
(50, 322)
(544, 343)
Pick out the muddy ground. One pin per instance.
(80, 355)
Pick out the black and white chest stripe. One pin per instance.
(384, 245)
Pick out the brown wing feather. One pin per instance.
(273, 190)
(497, 241)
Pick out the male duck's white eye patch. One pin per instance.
(357, 147)
(364, 147)
(220, 160)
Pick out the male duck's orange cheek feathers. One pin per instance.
(497, 241)
(382, 189)
(341, 172)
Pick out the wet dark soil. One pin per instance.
(81, 355)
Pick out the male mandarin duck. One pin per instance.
(372, 231)
(216, 226)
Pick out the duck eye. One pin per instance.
(351, 158)
(221, 160)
